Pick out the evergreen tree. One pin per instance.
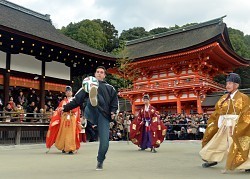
(134, 33)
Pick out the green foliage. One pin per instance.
(98, 34)
(134, 33)
(127, 71)
(175, 27)
(244, 73)
(120, 49)
(78, 82)
(111, 35)
(116, 81)
(220, 79)
(188, 24)
(158, 30)
(239, 42)
(247, 41)
(241, 45)
(140, 32)
(87, 32)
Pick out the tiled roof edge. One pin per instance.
(176, 31)
(26, 10)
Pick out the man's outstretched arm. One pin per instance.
(78, 100)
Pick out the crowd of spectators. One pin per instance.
(185, 126)
(120, 128)
(24, 107)
(179, 126)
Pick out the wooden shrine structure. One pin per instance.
(177, 67)
(28, 34)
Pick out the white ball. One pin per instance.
(88, 82)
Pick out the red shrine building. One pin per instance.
(35, 55)
(177, 67)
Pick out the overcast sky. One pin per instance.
(126, 14)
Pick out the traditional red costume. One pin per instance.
(147, 130)
(64, 129)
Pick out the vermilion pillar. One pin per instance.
(199, 109)
(178, 105)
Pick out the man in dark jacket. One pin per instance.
(100, 109)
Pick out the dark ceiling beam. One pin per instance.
(45, 41)
(81, 63)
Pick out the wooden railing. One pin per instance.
(24, 117)
(21, 132)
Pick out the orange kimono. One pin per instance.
(64, 129)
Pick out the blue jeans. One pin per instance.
(96, 117)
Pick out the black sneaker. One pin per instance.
(71, 153)
(207, 164)
(92, 140)
(63, 151)
(99, 166)
(247, 170)
(141, 149)
(153, 150)
(93, 95)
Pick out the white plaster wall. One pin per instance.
(183, 72)
(171, 97)
(2, 59)
(163, 74)
(29, 64)
(155, 76)
(154, 98)
(137, 100)
(57, 70)
(190, 71)
(25, 63)
(192, 95)
(184, 96)
(163, 97)
(171, 74)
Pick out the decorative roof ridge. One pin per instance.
(216, 93)
(245, 90)
(183, 53)
(176, 31)
(45, 17)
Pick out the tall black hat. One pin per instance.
(233, 77)
(146, 96)
(68, 88)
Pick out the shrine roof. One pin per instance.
(212, 99)
(179, 40)
(21, 19)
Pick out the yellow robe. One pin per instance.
(66, 137)
(217, 143)
(64, 129)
